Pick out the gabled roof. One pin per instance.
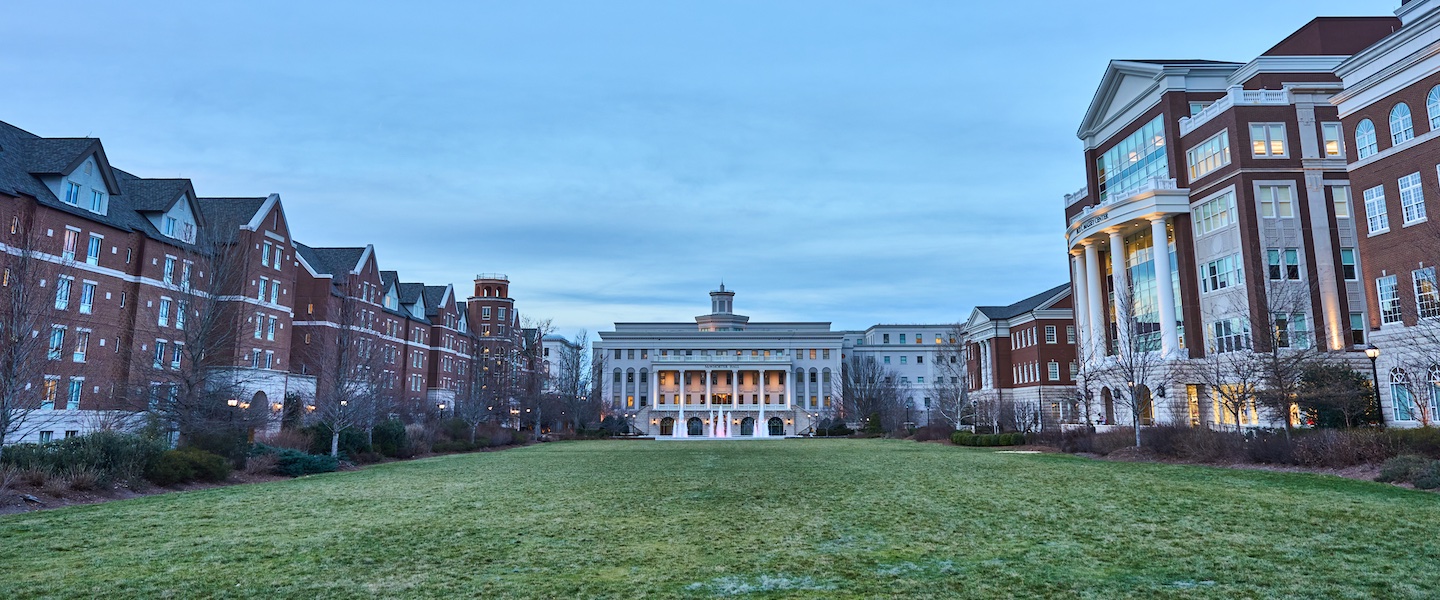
(435, 297)
(332, 261)
(225, 215)
(389, 279)
(153, 195)
(1129, 83)
(411, 292)
(1038, 301)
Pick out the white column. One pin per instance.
(1164, 286)
(1095, 289)
(654, 386)
(789, 389)
(682, 429)
(708, 375)
(734, 388)
(762, 428)
(1123, 305)
(1080, 297)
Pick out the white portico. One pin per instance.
(722, 376)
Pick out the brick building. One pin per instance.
(1240, 169)
(1390, 109)
(1022, 361)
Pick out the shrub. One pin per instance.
(352, 440)
(230, 443)
(1422, 441)
(188, 464)
(965, 438)
(294, 439)
(260, 464)
(294, 463)
(112, 456)
(926, 433)
(1429, 479)
(82, 479)
(418, 440)
(1403, 469)
(9, 476)
(1270, 447)
(1341, 448)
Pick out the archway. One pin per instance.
(1107, 402)
(777, 427)
(747, 426)
(667, 426)
(695, 427)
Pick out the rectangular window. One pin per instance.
(259, 324)
(72, 192)
(1133, 161)
(170, 226)
(500, 316)
(92, 251)
(265, 255)
(1230, 335)
(270, 329)
(269, 359)
(72, 402)
(1267, 140)
(885, 338)
(1375, 212)
(1070, 334)
(82, 345)
(1209, 155)
(185, 275)
(1221, 273)
(87, 297)
(1276, 201)
(164, 312)
(887, 360)
(62, 292)
(1215, 214)
(50, 392)
(1427, 296)
(1388, 297)
(1340, 195)
(169, 269)
(1050, 334)
(1357, 328)
(175, 356)
(1276, 269)
(275, 291)
(159, 354)
(1412, 199)
(72, 238)
(903, 359)
(264, 283)
(275, 262)
(1334, 142)
(1053, 370)
(1347, 264)
(1292, 264)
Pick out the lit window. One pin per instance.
(82, 345)
(72, 238)
(1267, 139)
(1401, 130)
(1427, 296)
(1215, 214)
(1333, 140)
(1365, 143)
(1133, 161)
(1209, 155)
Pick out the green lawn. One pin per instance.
(797, 518)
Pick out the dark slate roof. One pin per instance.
(433, 295)
(1023, 306)
(411, 292)
(25, 157)
(152, 195)
(55, 156)
(389, 278)
(331, 261)
(225, 215)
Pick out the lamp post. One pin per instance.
(1373, 353)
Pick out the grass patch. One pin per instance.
(817, 519)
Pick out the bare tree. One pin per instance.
(24, 309)
(192, 386)
(1285, 345)
(952, 378)
(1232, 374)
(351, 382)
(572, 380)
(870, 392)
(1136, 366)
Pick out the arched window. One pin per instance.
(667, 426)
(695, 427)
(747, 426)
(1432, 107)
(777, 427)
(1401, 130)
(1365, 138)
(1400, 395)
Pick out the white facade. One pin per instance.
(910, 352)
(722, 376)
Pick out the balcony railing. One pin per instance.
(1234, 96)
(723, 359)
(1149, 185)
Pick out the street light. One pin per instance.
(1373, 354)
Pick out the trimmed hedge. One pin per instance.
(294, 463)
(186, 465)
(114, 457)
(965, 438)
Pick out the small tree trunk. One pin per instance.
(473, 427)
(335, 443)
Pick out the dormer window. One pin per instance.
(98, 201)
(169, 226)
(72, 193)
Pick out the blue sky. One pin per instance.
(853, 162)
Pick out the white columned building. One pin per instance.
(722, 376)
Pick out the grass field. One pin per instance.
(798, 518)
